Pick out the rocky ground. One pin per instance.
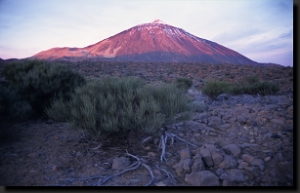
(238, 141)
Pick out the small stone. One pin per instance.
(197, 164)
(106, 165)
(147, 148)
(267, 158)
(217, 157)
(161, 183)
(228, 162)
(78, 154)
(185, 153)
(151, 154)
(223, 176)
(235, 175)
(54, 168)
(233, 149)
(258, 162)
(247, 158)
(183, 167)
(205, 153)
(252, 141)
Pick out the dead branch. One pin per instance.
(170, 176)
(95, 148)
(130, 168)
(183, 140)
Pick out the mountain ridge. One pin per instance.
(150, 42)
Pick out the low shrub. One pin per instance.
(214, 88)
(39, 82)
(120, 105)
(250, 85)
(183, 83)
(12, 105)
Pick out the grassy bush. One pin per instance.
(183, 83)
(12, 105)
(39, 82)
(214, 88)
(250, 85)
(120, 105)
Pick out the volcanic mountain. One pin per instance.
(150, 42)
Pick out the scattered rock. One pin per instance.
(151, 154)
(202, 178)
(228, 162)
(232, 149)
(216, 157)
(247, 158)
(185, 153)
(206, 155)
(183, 167)
(235, 175)
(267, 158)
(198, 164)
(214, 121)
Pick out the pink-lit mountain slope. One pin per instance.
(150, 42)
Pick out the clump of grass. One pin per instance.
(214, 88)
(183, 83)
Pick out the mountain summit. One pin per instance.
(150, 42)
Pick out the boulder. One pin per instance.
(206, 155)
(232, 149)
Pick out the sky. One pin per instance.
(261, 30)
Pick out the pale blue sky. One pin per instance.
(262, 30)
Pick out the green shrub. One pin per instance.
(39, 82)
(120, 105)
(251, 80)
(183, 83)
(250, 85)
(214, 88)
(12, 105)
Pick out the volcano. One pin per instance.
(150, 42)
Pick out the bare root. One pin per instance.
(163, 142)
(132, 167)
